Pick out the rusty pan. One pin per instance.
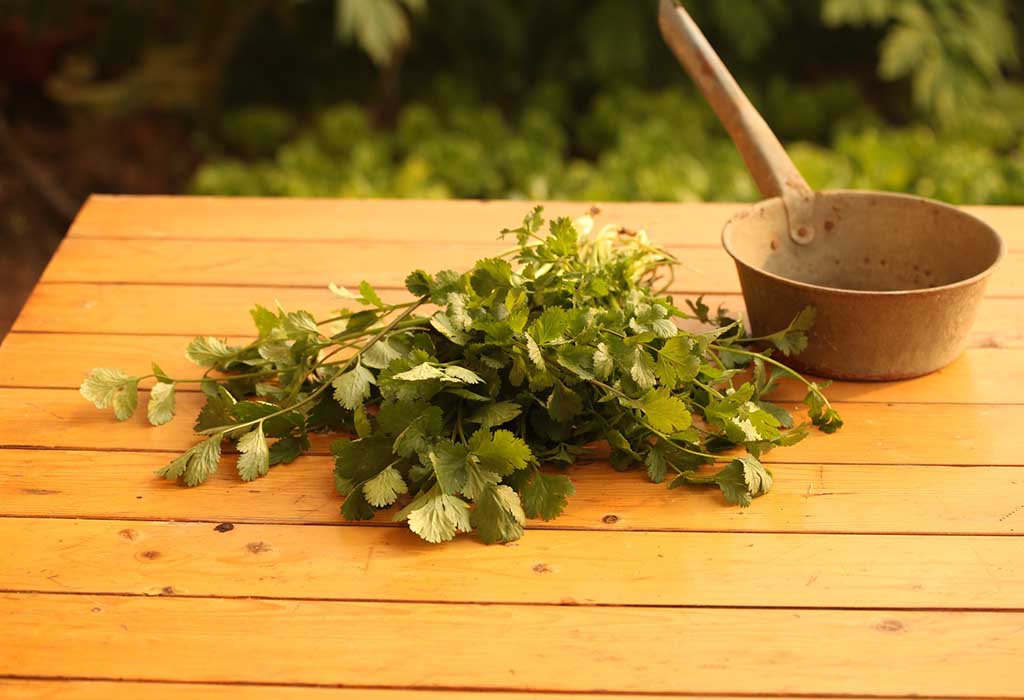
(896, 280)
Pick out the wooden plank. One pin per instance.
(400, 220)
(840, 498)
(374, 220)
(316, 263)
(38, 689)
(610, 649)
(546, 567)
(982, 375)
(190, 311)
(875, 433)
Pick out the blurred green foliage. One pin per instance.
(575, 99)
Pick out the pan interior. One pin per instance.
(867, 241)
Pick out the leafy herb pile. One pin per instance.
(544, 361)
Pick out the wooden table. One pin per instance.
(887, 561)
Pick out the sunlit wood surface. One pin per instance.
(887, 561)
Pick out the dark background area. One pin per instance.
(566, 99)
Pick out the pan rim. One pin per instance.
(966, 282)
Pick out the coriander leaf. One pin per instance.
(534, 353)
(369, 294)
(160, 408)
(665, 412)
(549, 326)
(657, 465)
(603, 363)
(356, 507)
(742, 480)
(352, 388)
(563, 403)
(498, 515)
(287, 450)
(494, 414)
(254, 455)
(545, 496)
(196, 465)
(217, 412)
(266, 320)
(642, 369)
(384, 489)
(381, 354)
(478, 478)
(419, 283)
(362, 422)
(443, 324)
(677, 361)
(160, 375)
(826, 418)
(449, 463)
(209, 351)
(500, 452)
(439, 517)
(454, 373)
(792, 340)
(421, 372)
(107, 387)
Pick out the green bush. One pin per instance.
(630, 145)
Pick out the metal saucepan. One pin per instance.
(896, 279)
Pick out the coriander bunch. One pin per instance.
(563, 348)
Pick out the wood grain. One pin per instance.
(401, 220)
(204, 310)
(571, 648)
(314, 264)
(982, 375)
(36, 689)
(840, 498)
(549, 567)
(875, 433)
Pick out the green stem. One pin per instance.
(222, 430)
(792, 373)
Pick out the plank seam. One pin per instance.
(507, 604)
(326, 453)
(499, 689)
(533, 525)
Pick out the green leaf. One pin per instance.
(498, 515)
(677, 361)
(160, 408)
(160, 375)
(545, 496)
(500, 452)
(439, 516)
(665, 412)
(369, 294)
(792, 340)
(210, 352)
(106, 387)
(563, 403)
(419, 283)
(356, 507)
(217, 412)
(385, 488)
(449, 463)
(642, 369)
(253, 454)
(196, 465)
(550, 326)
(362, 422)
(266, 320)
(352, 388)
(427, 371)
(742, 480)
(604, 365)
(494, 414)
(287, 450)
